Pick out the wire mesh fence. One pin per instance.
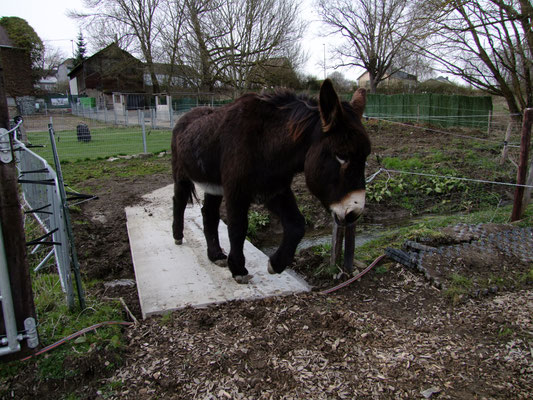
(83, 137)
(438, 109)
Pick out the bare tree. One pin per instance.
(489, 44)
(171, 37)
(136, 19)
(225, 41)
(377, 35)
(52, 58)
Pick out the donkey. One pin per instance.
(250, 151)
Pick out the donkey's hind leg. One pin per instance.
(182, 193)
(211, 218)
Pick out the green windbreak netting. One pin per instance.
(436, 109)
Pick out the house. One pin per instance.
(398, 77)
(105, 72)
(64, 69)
(18, 76)
(48, 83)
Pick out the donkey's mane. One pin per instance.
(303, 110)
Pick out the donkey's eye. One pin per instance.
(341, 160)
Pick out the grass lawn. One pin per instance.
(105, 142)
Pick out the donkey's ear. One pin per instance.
(358, 101)
(329, 105)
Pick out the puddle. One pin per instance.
(363, 234)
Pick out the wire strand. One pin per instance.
(457, 178)
(442, 132)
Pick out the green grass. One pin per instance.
(55, 321)
(75, 173)
(105, 142)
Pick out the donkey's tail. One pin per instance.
(193, 196)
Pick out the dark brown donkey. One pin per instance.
(250, 151)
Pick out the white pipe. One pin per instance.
(7, 304)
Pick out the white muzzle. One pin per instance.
(353, 202)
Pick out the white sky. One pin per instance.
(49, 19)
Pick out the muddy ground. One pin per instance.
(392, 334)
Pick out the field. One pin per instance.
(392, 334)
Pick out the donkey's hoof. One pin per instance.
(222, 263)
(243, 279)
(178, 241)
(270, 269)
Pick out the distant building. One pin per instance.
(109, 70)
(47, 83)
(64, 69)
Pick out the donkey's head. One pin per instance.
(335, 163)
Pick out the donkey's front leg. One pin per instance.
(285, 207)
(237, 215)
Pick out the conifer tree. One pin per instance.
(81, 49)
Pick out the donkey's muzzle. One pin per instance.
(349, 208)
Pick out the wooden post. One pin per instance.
(505, 143)
(336, 244)
(527, 192)
(488, 125)
(349, 248)
(11, 223)
(522, 165)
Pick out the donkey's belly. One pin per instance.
(211, 188)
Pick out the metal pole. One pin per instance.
(10, 322)
(144, 133)
(66, 214)
(522, 165)
(171, 111)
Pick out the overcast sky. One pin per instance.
(48, 18)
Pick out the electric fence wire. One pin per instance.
(432, 130)
(373, 176)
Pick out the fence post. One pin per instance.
(505, 143)
(490, 121)
(144, 132)
(518, 207)
(336, 244)
(66, 216)
(171, 111)
(126, 116)
(11, 224)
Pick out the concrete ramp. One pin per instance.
(170, 277)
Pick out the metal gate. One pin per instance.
(45, 197)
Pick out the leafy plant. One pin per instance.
(256, 221)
